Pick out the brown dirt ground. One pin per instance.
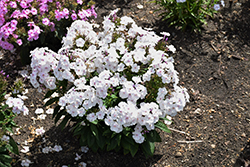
(214, 128)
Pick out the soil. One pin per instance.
(214, 128)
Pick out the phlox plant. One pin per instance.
(3, 85)
(8, 111)
(26, 24)
(116, 85)
(188, 13)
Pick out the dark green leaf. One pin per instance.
(3, 164)
(148, 148)
(51, 101)
(94, 130)
(49, 93)
(153, 136)
(57, 108)
(133, 150)
(162, 126)
(90, 138)
(101, 141)
(64, 121)
(13, 146)
(59, 115)
(5, 158)
(95, 147)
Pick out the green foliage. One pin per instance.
(189, 14)
(17, 88)
(97, 135)
(3, 86)
(6, 125)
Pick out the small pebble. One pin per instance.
(178, 154)
(139, 6)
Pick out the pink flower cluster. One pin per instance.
(15, 13)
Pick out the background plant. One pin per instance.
(188, 13)
(8, 111)
(26, 25)
(116, 85)
(3, 85)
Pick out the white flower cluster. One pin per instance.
(17, 105)
(114, 60)
(5, 138)
(48, 149)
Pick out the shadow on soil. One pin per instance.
(70, 145)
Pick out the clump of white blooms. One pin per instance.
(84, 149)
(5, 138)
(17, 105)
(123, 61)
(26, 162)
(48, 149)
(40, 131)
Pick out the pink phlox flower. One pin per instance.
(58, 4)
(93, 11)
(83, 14)
(13, 4)
(15, 14)
(74, 16)
(65, 13)
(58, 15)
(19, 42)
(46, 21)
(23, 14)
(15, 36)
(2, 20)
(23, 4)
(31, 24)
(33, 11)
(79, 2)
(13, 23)
(52, 26)
(26, 11)
(43, 8)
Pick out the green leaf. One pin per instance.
(2, 149)
(153, 136)
(57, 108)
(80, 130)
(64, 121)
(95, 147)
(90, 138)
(133, 150)
(125, 151)
(83, 140)
(94, 130)
(162, 118)
(2, 164)
(42, 38)
(59, 115)
(101, 141)
(95, 122)
(107, 132)
(148, 148)
(5, 158)
(162, 126)
(49, 93)
(9, 129)
(13, 146)
(51, 101)
(112, 144)
(24, 54)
